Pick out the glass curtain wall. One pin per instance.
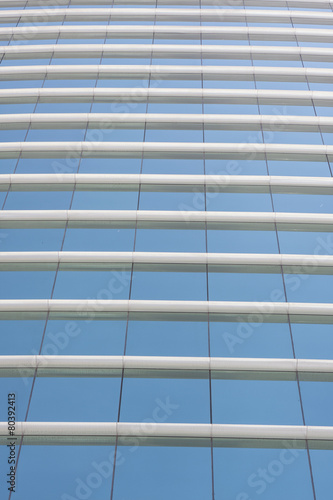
(166, 249)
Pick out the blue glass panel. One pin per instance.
(164, 472)
(313, 341)
(174, 135)
(251, 109)
(288, 137)
(123, 83)
(178, 84)
(18, 108)
(169, 400)
(327, 138)
(21, 337)
(85, 472)
(227, 84)
(177, 166)
(7, 166)
(272, 63)
(137, 41)
(302, 168)
(26, 285)
(84, 337)
(12, 135)
(245, 474)
(176, 41)
(47, 165)
(281, 111)
(242, 241)
(2, 198)
(324, 111)
(98, 285)
(306, 243)
(242, 286)
(71, 62)
(169, 286)
(236, 167)
(303, 203)
(75, 400)
(21, 387)
(110, 166)
(309, 288)
(250, 339)
(171, 201)
(317, 402)
(239, 202)
(170, 240)
(15, 240)
(108, 240)
(268, 402)
(224, 42)
(55, 135)
(162, 338)
(105, 200)
(115, 134)
(25, 62)
(241, 136)
(286, 85)
(121, 107)
(322, 463)
(63, 107)
(226, 62)
(52, 83)
(38, 200)
(18, 84)
(176, 61)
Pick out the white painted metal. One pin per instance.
(170, 367)
(163, 95)
(94, 309)
(174, 121)
(160, 14)
(150, 434)
(166, 72)
(168, 261)
(39, 32)
(258, 151)
(167, 182)
(168, 51)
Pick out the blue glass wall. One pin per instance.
(165, 78)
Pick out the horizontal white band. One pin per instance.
(286, 437)
(165, 150)
(167, 310)
(167, 183)
(163, 95)
(167, 51)
(166, 367)
(173, 121)
(166, 72)
(160, 14)
(168, 261)
(180, 219)
(252, 33)
(319, 4)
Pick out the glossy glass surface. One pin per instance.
(154, 86)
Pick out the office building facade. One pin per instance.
(166, 249)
